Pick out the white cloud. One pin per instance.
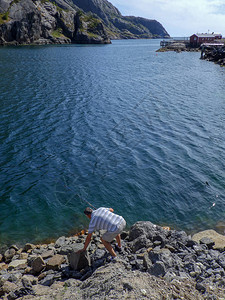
(179, 17)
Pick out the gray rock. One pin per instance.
(200, 287)
(78, 261)
(208, 242)
(47, 254)
(8, 255)
(48, 280)
(60, 242)
(147, 263)
(158, 269)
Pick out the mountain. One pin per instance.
(70, 21)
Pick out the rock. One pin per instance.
(29, 279)
(217, 238)
(158, 269)
(78, 261)
(147, 263)
(8, 255)
(208, 242)
(23, 255)
(38, 264)
(200, 287)
(7, 288)
(1, 258)
(142, 228)
(48, 280)
(55, 262)
(48, 254)
(139, 243)
(19, 263)
(28, 247)
(3, 266)
(60, 242)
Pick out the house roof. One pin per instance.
(206, 35)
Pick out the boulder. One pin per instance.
(78, 261)
(217, 238)
(55, 262)
(38, 264)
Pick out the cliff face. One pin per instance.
(45, 22)
(69, 21)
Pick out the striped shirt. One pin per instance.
(103, 219)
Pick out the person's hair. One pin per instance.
(88, 211)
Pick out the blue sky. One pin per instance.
(179, 17)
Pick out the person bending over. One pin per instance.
(104, 219)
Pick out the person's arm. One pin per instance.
(111, 209)
(87, 241)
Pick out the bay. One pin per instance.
(117, 125)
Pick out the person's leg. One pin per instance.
(118, 240)
(109, 247)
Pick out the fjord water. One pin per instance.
(118, 125)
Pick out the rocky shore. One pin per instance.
(154, 263)
(178, 47)
(215, 54)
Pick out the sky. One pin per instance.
(180, 18)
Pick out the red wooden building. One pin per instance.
(200, 38)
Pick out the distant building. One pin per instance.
(200, 38)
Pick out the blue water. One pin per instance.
(118, 125)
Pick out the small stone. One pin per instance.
(143, 292)
(200, 287)
(101, 246)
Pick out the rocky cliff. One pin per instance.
(154, 263)
(46, 22)
(69, 21)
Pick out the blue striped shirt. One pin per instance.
(103, 219)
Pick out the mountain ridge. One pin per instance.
(70, 21)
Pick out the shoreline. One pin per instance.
(154, 255)
(219, 228)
